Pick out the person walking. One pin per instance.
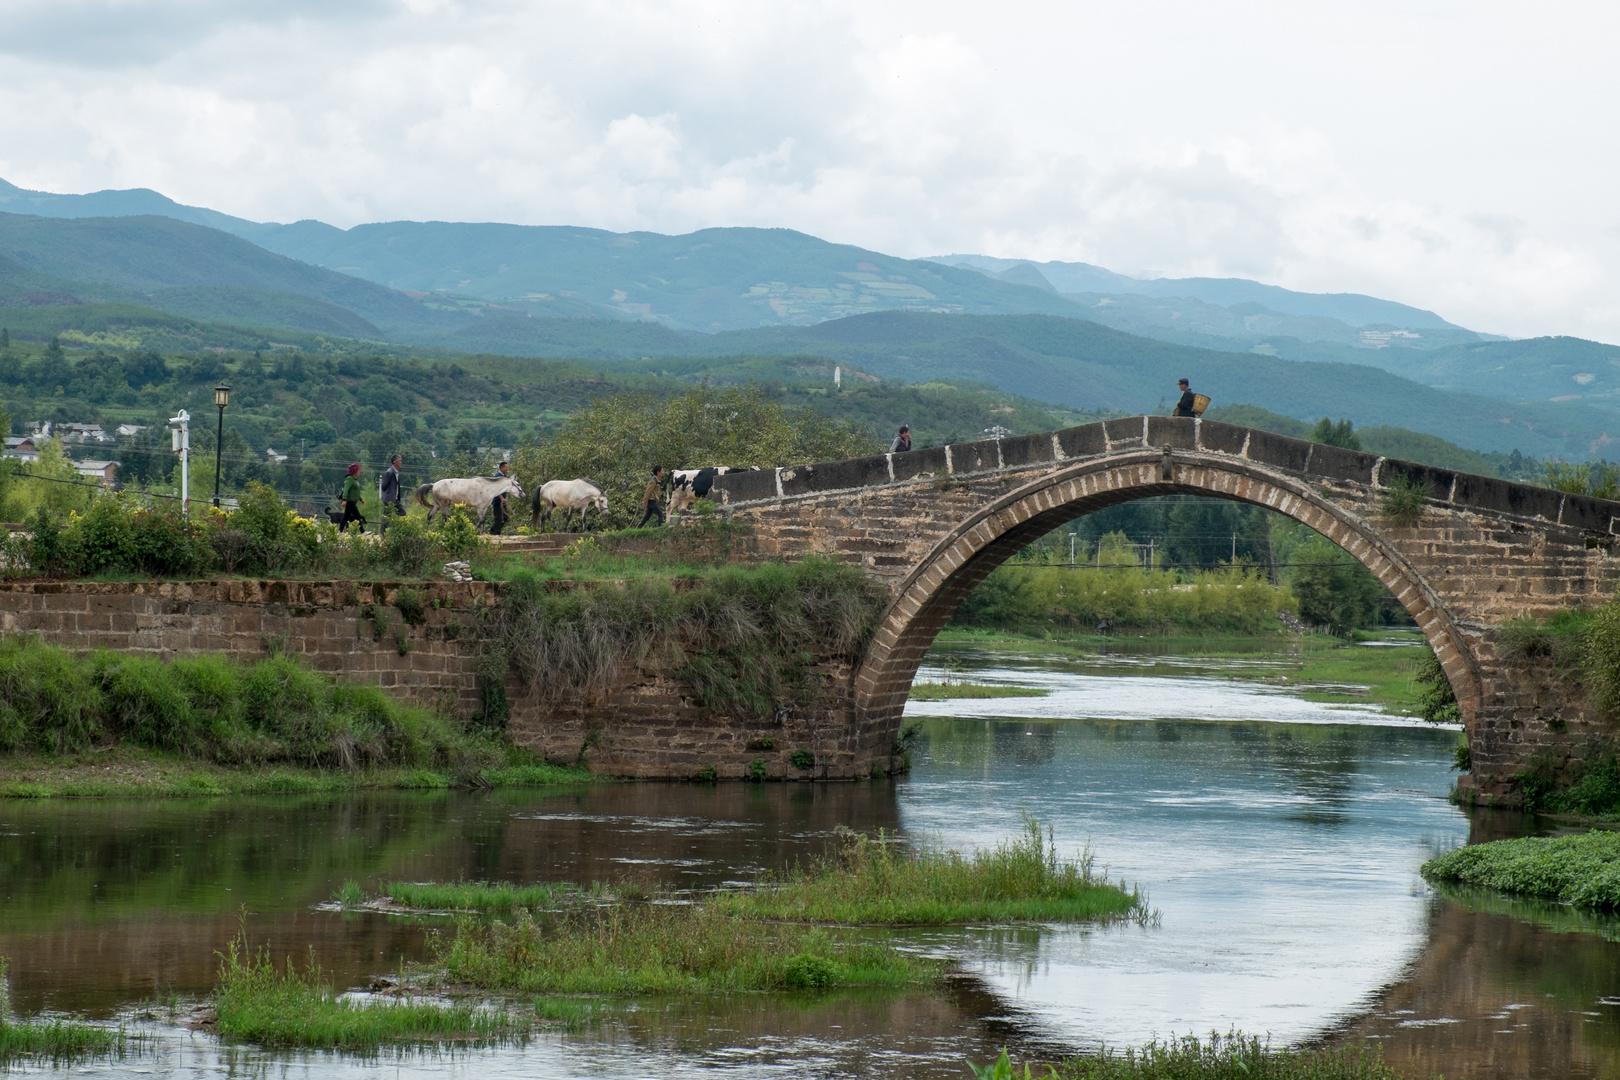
(352, 499)
(388, 489)
(498, 504)
(902, 441)
(651, 496)
(1184, 407)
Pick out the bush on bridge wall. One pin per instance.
(745, 638)
(121, 535)
(211, 708)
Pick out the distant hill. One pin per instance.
(1352, 309)
(1083, 365)
(147, 254)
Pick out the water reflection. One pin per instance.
(1281, 856)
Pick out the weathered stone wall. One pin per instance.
(324, 623)
(932, 524)
(647, 726)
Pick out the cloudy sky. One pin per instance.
(1457, 156)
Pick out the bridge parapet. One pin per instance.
(933, 523)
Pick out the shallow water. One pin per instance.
(1278, 840)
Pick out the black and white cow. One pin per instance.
(690, 485)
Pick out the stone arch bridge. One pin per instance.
(931, 524)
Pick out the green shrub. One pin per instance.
(1579, 870)
(457, 534)
(212, 708)
(1437, 702)
(758, 771)
(1402, 501)
(411, 551)
(803, 758)
(412, 608)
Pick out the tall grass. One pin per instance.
(1234, 1057)
(665, 948)
(256, 1002)
(215, 709)
(744, 638)
(869, 880)
(478, 895)
(56, 1040)
(1579, 870)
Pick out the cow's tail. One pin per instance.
(423, 494)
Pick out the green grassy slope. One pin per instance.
(152, 253)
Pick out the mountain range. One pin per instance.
(124, 268)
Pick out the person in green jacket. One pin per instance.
(352, 499)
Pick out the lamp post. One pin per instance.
(222, 398)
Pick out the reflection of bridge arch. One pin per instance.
(966, 555)
(933, 523)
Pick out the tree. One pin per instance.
(1333, 589)
(616, 440)
(1341, 434)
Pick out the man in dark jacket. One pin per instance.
(389, 490)
(1184, 407)
(498, 504)
(902, 441)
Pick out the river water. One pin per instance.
(1278, 841)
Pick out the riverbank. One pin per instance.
(134, 772)
(1582, 871)
(1379, 668)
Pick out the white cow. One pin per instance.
(567, 496)
(473, 492)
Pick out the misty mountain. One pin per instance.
(1352, 309)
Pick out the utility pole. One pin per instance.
(1071, 548)
(1234, 549)
(181, 437)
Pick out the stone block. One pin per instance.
(973, 457)
(1125, 433)
(1176, 432)
(919, 463)
(1022, 450)
(1220, 438)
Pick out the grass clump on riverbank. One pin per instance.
(479, 895)
(666, 948)
(942, 691)
(1579, 870)
(871, 880)
(55, 1040)
(1234, 1057)
(258, 1003)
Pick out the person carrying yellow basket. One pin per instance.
(1191, 404)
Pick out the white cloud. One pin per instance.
(1456, 158)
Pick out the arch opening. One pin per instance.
(960, 561)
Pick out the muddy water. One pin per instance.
(1278, 840)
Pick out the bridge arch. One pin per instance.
(965, 556)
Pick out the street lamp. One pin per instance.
(222, 398)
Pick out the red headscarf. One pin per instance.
(354, 469)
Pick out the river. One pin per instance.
(1278, 841)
